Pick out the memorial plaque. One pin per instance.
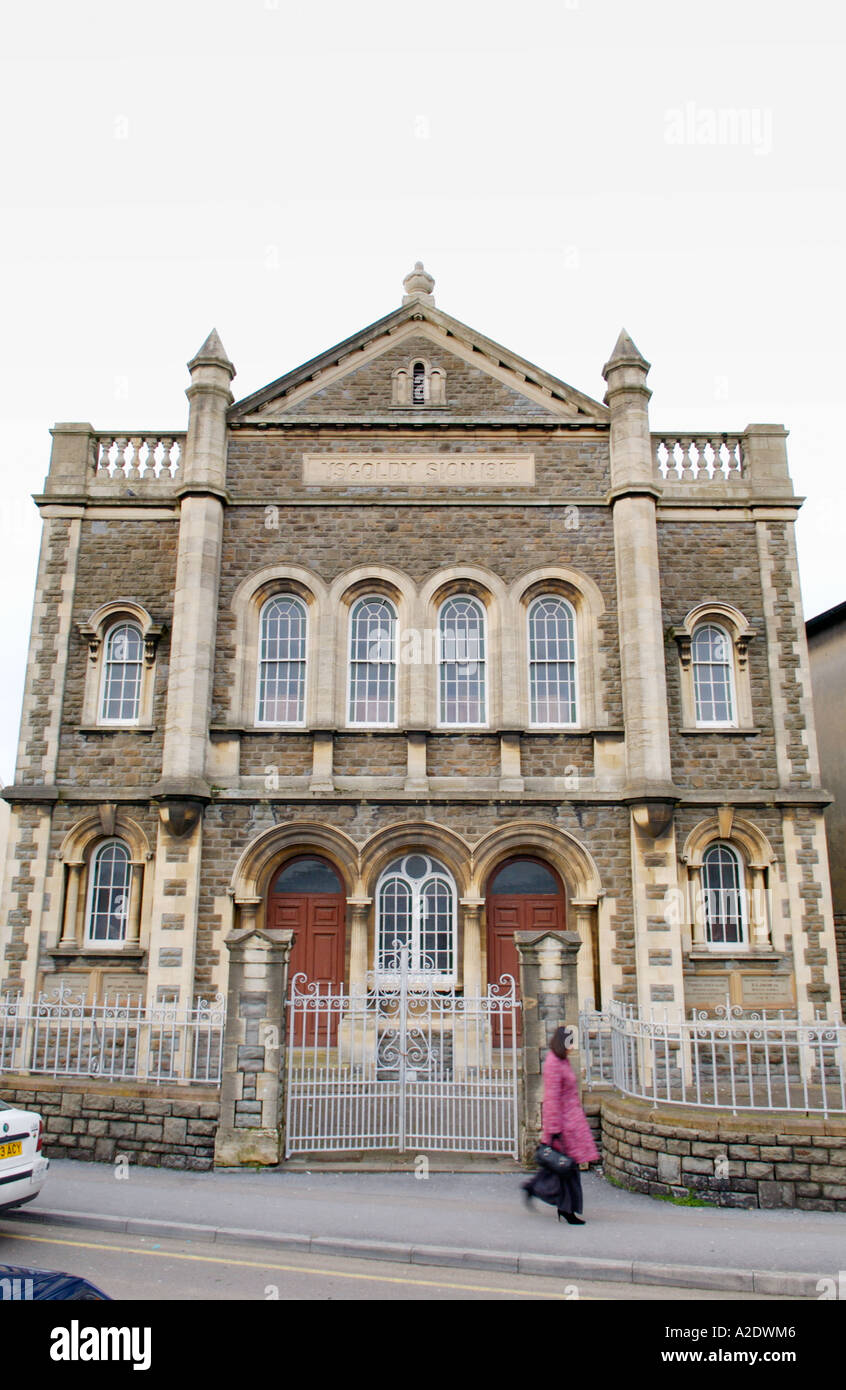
(419, 470)
(774, 991)
(706, 991)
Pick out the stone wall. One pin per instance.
(752, 1160)
(97, 1121)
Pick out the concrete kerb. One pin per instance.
(770, 1283)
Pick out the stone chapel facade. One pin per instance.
(418, 642)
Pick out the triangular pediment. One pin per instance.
(484, 381)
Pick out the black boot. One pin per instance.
(571, 1218)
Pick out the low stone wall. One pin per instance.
(773, 1160)
(154, 1126)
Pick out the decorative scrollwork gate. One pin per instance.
(403, 1064)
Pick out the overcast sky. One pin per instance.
(563, 167)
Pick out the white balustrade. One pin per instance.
(692, 458)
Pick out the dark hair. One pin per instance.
(558, 1042)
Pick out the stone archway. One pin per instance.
(575, 870)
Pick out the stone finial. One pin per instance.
(212, 353)
(418, 284)
(625, 352)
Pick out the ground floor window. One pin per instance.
(416, 909)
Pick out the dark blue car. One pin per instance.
(20, 1284)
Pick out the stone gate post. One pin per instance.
(251, 1098)
(550, 995)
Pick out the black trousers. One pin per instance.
(565, 1192)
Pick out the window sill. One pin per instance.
(116, 729)
(730, 729)
(110, 952)
(718, 953)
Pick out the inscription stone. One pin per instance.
(419, 470)
(766, 989)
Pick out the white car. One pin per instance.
(23, 1167)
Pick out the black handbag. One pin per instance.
(553, 1161)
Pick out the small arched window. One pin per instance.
(552, 662)
(416, 912)
(282, 662)
(123, 667)
(373, 662)
(418, 384)
(723, 896)
(462, 695)
(108, 894)
(713, 675)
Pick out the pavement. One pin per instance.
(470, 1219)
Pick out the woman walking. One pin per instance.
(565, 1127)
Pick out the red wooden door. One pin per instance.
(317, 919)
(510, 912)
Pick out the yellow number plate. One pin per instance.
(11, 1150)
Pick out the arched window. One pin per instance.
(723, 896)
(418, 384)
(122, 671)
(462, 695)
(373, 662)
(108, 894)
(552, 661)
(416, 911)
(713, 675)
(282, 662)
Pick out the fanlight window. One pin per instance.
(723, 894)
(713, 683)
(552, 662)
(282, 662)
(461, 662)
(523, 877)
(307, 876)
(416, 911)
(373, 662)
(108, 896)
(122, 672)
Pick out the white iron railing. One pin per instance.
(730, 1060)
(62, 1034)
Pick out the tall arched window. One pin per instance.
(282, 662)
(123, 667)
(108, 894)
(723, 896)
(418, 384)
(552, 662)
(462, 697)
(415, 901)
(373, 662)
(713, 675)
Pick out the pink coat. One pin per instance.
(562, 1111)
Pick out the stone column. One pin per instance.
(471, 909)
(202, 491)
(69, 937)
(133, 925)
(359, 913)
(550, 996)
(252, 1092)
(635, 490)
(588, 970)
(634, 493)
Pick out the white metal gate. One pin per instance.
(401, 1064)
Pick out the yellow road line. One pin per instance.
(293, 1269)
